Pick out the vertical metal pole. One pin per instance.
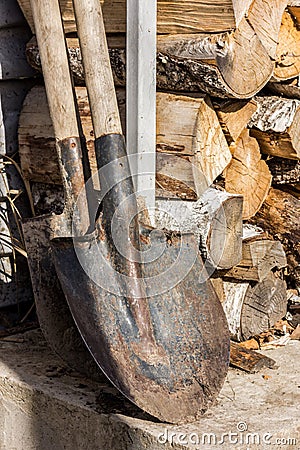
(141, 96)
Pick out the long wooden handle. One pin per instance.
(60, 95)
(98, 75)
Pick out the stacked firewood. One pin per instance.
(228, 140)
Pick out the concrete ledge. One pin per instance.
(45, 406)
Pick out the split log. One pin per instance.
(189, 131)
(259, 257)
(288, 50)
(276, 126)
(215, 219)
(234, 116)
(284, 171)
(248, 174)
(249, 360)
(233, 64)
(173, 16)
(279, 215)
(191, 148)
(252, 308)
(288, 89)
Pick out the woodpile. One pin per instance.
(227, 140)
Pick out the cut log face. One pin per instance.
(248, 175)
(288, 50)
(276, 126)
(215, 219)
(252, 308)
(265, 303)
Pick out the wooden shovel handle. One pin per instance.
(98, 75)
(60, 95)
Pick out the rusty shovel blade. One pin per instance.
(147, 313)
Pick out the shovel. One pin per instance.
(54, 315)
(156, 330)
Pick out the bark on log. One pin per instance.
(215, 219)
(279, 215)
(252, 308)
(276, 126)
(288, 89)
(288, 50)
(191, 148)
(233, 64)
(294, 10)
(284, 171)
(248, 174)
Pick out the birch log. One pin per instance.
(216, 219)
(248, 175)
(276, 126)
(284, 171)
(234, 64)
(253, 308)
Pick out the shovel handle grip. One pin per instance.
(98, 74)
(61, 100)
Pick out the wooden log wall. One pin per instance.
(228, 113)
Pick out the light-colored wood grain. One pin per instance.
(288, 50)
(190, 127)
(276, 126)
(55, 67)
(234, 116)
(248, 174)
(177, 16)
(215, 219)
(96, 63)
(252, 308)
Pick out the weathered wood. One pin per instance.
(191, 148)
(215, 219)
(234, 116)
(265, 303)
(173, 16)
(287, 53)
(284, 171)
(258, 259)
(279, 215)
(189, 128)
(249, 360)
(252, 308)
(248, 174)
(235, 65)
(288, 89)
(276, 126)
